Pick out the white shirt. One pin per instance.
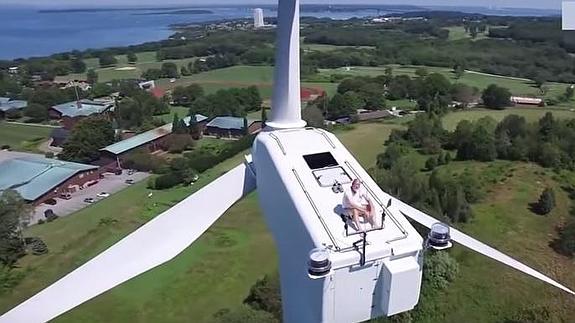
(359, 198)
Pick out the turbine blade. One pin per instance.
(155, 243)
(477, 245)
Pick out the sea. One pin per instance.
(29, 32)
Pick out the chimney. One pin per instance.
(286, 109)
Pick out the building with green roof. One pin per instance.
(39, 179)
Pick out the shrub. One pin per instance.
(440, 270)
(546, 202)
(177, 143)
(143, 161)
(265, 295)
(167, 181)
(13, 114)
(41, 221)
(565, 243)
(49, 155)
(5, 147)
(431, 163)
(37, 246)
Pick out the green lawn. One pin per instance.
(169, 117)
(146, 60)
(239, 76)
(215, 273)
(451, 120)
(23, 137)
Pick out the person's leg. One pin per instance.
(370, 215)
(355, 215)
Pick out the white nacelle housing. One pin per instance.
(296, 169)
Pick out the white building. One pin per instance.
(259, 18)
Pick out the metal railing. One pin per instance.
(378, 201)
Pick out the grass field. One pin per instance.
(458, 33)
(146, 60)
(215, 273)
(239, 76)
(486, 291)
(479, 80)
(22, 137)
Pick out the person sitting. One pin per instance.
(357, 203)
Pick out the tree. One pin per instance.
(569, 93)
(107, 59)
(388, 71)
(170, 70)
(77, 65)
(431, 163)
(178, 125)
(152, 74)
(92, 77)
(186, 95)
(13, 210)
(546, 202)
(565, 243)
(392, 154)
(464, 93)
(421, 72)
(496, 97)
(132, 57)
(459, 70)
(87, 137)
(338, 107)
(36, 112)
(195, 130)
(313, 116)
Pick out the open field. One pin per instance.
(146, 60)
(215, 273)
(23, 137)
(515, 85)
(239, 76)
(458, 33)
(486, 291)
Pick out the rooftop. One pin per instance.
(33, 177)
(146, 137)
(229, 123)
(9, 104)
(83, 108)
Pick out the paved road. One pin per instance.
(110, 184)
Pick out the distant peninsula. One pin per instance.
(177, 12)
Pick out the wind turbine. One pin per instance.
(329, 271)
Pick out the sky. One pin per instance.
(543, 4)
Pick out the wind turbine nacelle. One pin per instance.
(329, 271)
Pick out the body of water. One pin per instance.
(29, 32)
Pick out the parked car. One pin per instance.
(118, 172)
(89, 200)
(130, 181)
(131, 172)
(103, 194)
(66, 196)
(50, 202)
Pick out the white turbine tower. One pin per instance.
(329, 272)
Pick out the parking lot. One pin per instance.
(111, 184)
